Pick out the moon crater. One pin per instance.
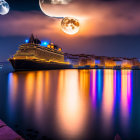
(70, 25)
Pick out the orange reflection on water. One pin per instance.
(13, 88)
(108, 99)
(84, 80)
(71, 111)
(12, 94)
(39, 95)
(47, 87)
(29, 88)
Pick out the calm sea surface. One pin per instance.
(71, 104)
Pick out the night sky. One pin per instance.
(108, 27)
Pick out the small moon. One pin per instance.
(4, 7)
(52, 7)
(70, 25)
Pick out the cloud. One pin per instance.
(96, 19)
(22, 23)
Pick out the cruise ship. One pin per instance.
(33, 56)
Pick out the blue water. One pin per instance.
(71, 104)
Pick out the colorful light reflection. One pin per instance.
(71, 110)
(72, 95)
(93, 84)
(13, 94)
(126, 97)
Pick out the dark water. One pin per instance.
(72, 104)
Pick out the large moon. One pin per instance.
(4, 7)
(70, 25)
(53, 8)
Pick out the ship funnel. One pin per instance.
(32, 39)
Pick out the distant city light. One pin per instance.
(97, 62)
(45, 43)
(27, 41)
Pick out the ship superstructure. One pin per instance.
(32, 56)
(33, 50)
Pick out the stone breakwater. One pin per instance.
(6, 133)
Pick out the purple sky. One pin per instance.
(109, 28)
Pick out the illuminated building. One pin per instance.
(72, 58)
(92, 61)
(99, 61)
(87, 60)
(118, 62)
(109, 63)
(80, 60)
(126, 63)
(135, 63)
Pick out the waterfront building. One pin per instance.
(126, 63)
(135, 62)
(108, 62)
(72, 59)
(79, 60)
(86, 60)
(118, 62)
(99, 61)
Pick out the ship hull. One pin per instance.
(30, 65)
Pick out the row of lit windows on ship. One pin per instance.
(52, 46)
(48, 46)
